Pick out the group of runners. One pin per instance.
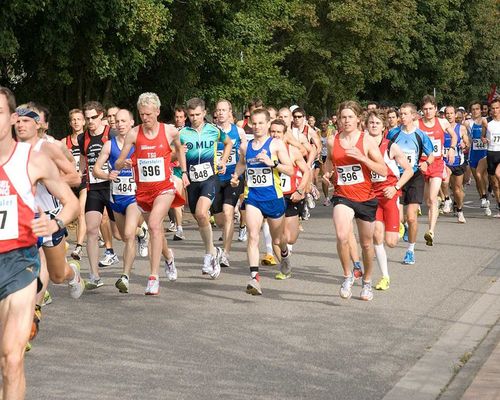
(376, 167)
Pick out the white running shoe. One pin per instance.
(215, 263)
(153, 286)
(483, 202)
(310, 201)
(327, 202)
(242, 236)
(108, 259)
(77, 284)
(461, 218)
(447, 206)
(487, 209)
(77, 253)
(143, 243)
(207, 265)
(122, 284)
(346, 287)
(170, 270)
(224, 260)
(172, 227)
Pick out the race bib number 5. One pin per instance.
(259, 177)
(151, 169)
(350, 174)
(9, 226)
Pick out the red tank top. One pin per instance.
(352, 179)
(436, 134)
(289, 183)
(381, 182)
(17, 201)
(151, 160)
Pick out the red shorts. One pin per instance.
(388, 213)
(145, 199)
(436, 170)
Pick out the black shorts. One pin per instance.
(492, 159)
(293, 209)
(413, 190)
(316, 164)
(227, 195)
(207, 188)
(365, 210)
(18, 269)
(98, 200)
(323, 159)
(459, 170)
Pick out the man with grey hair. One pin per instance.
(203, 165)
(156, 191)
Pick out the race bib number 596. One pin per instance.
(350, 174)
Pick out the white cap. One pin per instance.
(293, 108)
(442, 109)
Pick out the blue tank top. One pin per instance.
(234, 156)
(459, 154)
(262, 181)
(478, 148)
(412, 144)
(124, 184)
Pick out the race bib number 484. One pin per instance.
(9, 226)
(350, 174)
(123, 186)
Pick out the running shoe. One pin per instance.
(93, 283)
(402, 230)
(122, 284)
(306, 214)
(224, 260)
(383, 283)
(170, 270)
(242, 235)
(409, 258)
(461, 218)
(346, 287)
(315, 193)
(172, 227)
(35, 326)
(447, 206)
(153, 286)
(429, 238)
(77, 253)
(497, 215)
(253, 287)
(179, 234)
(310, 201)
(47, 299)
(143, 241)
(357, 271)
(215, 263)
(405, 234)
(285, 268)
(237, 217)
(327, 202)
(366, 291)
(100, 242)
(268, 259)
(487, 209)
(207, 265)
(108, 259)
(77, 284)
(484, 201)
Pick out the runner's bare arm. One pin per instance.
(372, 157)
(397, 154)
(465, 143)
(241, 133)
(285, 165)
(290, 139)
(130, 140)
(101, 160)
(179, 150)
(303, 167)
(228, 145)
(66, 167)
(241, 166)
(329, 162)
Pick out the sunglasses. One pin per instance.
(298, 116)
(93, 117)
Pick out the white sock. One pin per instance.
(267, 238)
(411, 246)
(381, 259)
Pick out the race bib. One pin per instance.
(350, 174)
(286, 182)
(77, 163)
(377, 178)
(259, 177)
(200, 172)
(9, 226)
(123, 186)
(436, 147)
(477, 144)
(93, 179)
(151, 169)
(495, 138)
(411, 156)
(232, 157)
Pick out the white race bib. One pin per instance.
(286, 182)
(477, 144)
(77, 162)
(378, 178)
(9, 226)
(151, 169)
(200, 172)
(123, 186)
(232, 157)
(93, 179)
(436, 147)
(350, 174)
(411, 156)
(259, 177)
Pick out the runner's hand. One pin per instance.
(113, 175)
(127, 163)
(235, 181)
(41, 225)
(185, 180)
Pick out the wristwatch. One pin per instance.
(396, 187)
(299, 192)
(60, 224)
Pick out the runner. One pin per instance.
(325, 133)
(156, 191)
(392, 118)
(457, 168)
(352, 155)
(413, 142)
(111, 116)
(20, 170)
(123, 203)
(263, 159)
(227, 196)
(387, 189)
(492, 138)
(294, 192)
(201, 139)
(435, 128)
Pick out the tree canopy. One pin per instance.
(314, 53)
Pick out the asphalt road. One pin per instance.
(204, 339)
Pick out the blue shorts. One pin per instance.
(274, 208)
(119, 204)
(475, 156)
(20, 267)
